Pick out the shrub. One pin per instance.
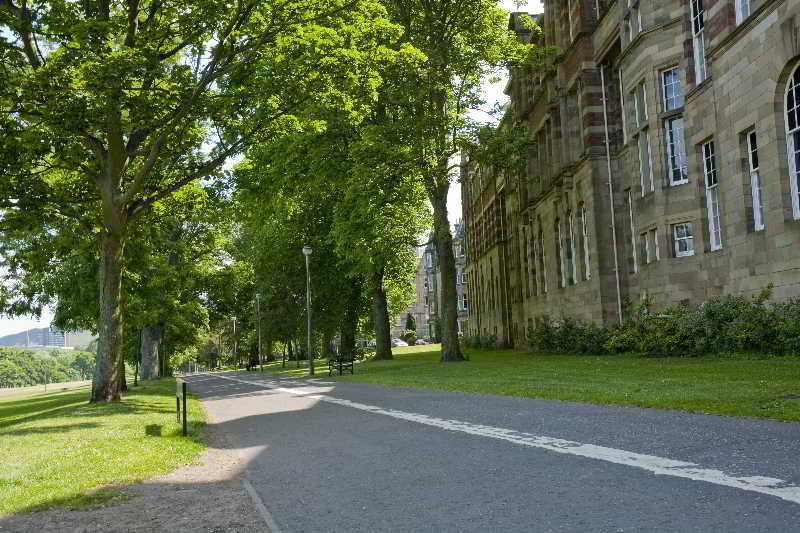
(481, 341)
(410, 337)
(567, 336)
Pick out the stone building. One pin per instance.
(665, 163)
(432, 281)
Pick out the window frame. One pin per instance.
(587, 264)
(697, 15)
(741, 16)
(711, 180)
(689, 252)
(756, 186)
(679, 156)
(633, 233)
(793, 138)
(677, 95)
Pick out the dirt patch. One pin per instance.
(207, 497)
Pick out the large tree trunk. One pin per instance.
(380, 310)
(106, 383)
(451, 350)
(350, 321)
(151, 344)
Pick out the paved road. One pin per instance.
(352, 457)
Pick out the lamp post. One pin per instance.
(235, 357)
(307, 253)
(258, 319)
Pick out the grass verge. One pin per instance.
(763, 387)
(58, 450)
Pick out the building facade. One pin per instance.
(665, 164)
(431, 287)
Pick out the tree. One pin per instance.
(462, 42)
(110, 107)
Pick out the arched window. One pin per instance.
(793, 138)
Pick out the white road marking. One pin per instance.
(658, 465)
(272, 525)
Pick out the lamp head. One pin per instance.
(306, 250)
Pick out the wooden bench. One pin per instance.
(341, 362)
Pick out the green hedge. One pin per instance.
(723, 324)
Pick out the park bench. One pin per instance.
(341, 362)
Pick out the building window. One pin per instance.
(671, 85)
(645, 163)
(622, 107)
(712, 195)
(676, 152)
(755, 181)
(640, 96)
(570, 19)
(561, 260)
(683, 238)
(627, 30)
(464, 302)
(572, 263)
(587, 270)
(463, 277)
(649, 245)
(698, 36)
(742, 10)
(636, 19)
(542, 258)
(793, 138)
(633, 233)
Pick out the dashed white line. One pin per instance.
(658, 465)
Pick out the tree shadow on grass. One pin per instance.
(63, 428)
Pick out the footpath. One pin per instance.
(208, 497)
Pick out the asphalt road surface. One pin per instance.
(352, 457)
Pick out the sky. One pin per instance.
(493, 94)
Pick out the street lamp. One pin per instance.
(235, 357)
(307, 253)
(258, 319)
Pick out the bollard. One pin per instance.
(184, 409)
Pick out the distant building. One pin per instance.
(428, 271)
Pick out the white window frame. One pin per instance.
(676, 101)
(622, 107)
(698, 40)
(688, 237)
(586, 257)
(642, 146)
(571, 218)
(654, 237)
(633, 233)
(742, 10)
(676, 151)
(562, 258)
(712, 195)
(756, 187)
(793, 138)
(570, 7)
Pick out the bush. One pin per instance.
(480, 341)
(567, 336)
(721, 324)
(410, 337)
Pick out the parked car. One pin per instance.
(398, 342)
(422, 341)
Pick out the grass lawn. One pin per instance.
(767, 387)
(54, 447)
